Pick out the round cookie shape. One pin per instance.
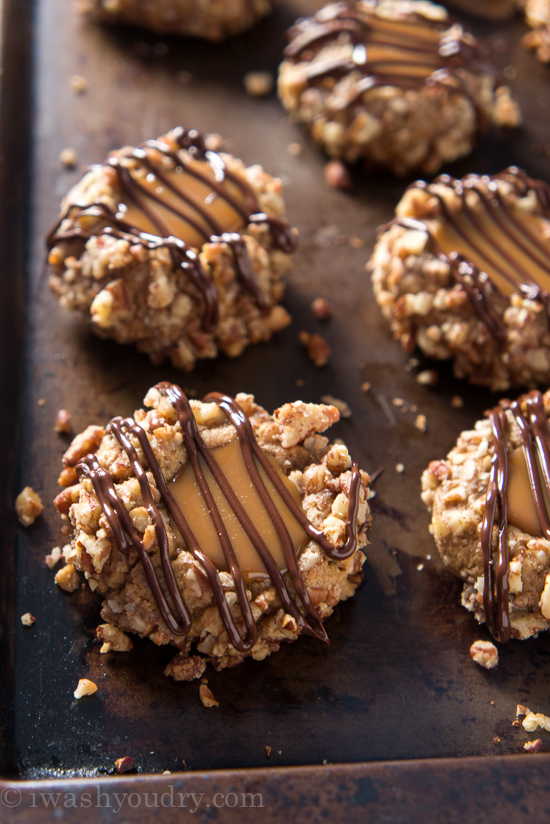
(176, 248)
(210, 19)
(491, 515)
(216, 524)
(463, 271)
(394, 82)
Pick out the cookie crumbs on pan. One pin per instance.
(124, 765)
(320, 309)
(496, 740)
(85, 687)
(68, 158)
(63, 422)
(78, 84)
(258, 84)
(428, 377)
(421, 423)
(457, 402)
(28, 506)
(113, 639)
(41, 402)
(366, 387)
(400, 468)
(294, 149)
(337, 175)
(533, 720)
(485, 654)
(207, 698)
(533, 746)
(316, 346)
(267, 751)
(27, 619)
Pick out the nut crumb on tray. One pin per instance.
(85, 687)
(534, 746)
(124, 765)
(316, 346)
(207, 697)
(63, 422)
(278, 590)
(28, 506)
(27, 619)
(485, 654)
(258, 84)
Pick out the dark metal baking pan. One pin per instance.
(396, 683)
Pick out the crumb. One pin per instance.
(78, 83)
(521, 710)
(204, 680)
(366, 386)
(27, 619)
(485, 654)
(300, 382)
(457, 402)
(400, 468)
(429, 558)
(318, 349)
(294, 149)
(167, 772)
(428, 377)
(421, 423)
(496, 740)
(184, 762)
(536, 719)
(337, 175)
(85, 687)
(280, 752)
(320, 309)
(420, 567)
(28, 506)
(267, 751)
(516, 723)
(41, 401)
(356, 242)
(533, 746)
(185, 79)
(398, 402)
(54, 556)
(207, 699)
(68, 578)
(258, 84)
(63, 422)
(124, 765)
(341, 406)
(68, 158)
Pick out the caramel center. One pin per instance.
(178, 203)
(188, 496)
(522, 511)
(509, 245)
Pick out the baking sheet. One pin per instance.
(396, 681)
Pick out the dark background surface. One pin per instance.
(397, 681)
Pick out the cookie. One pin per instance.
(396, 83)
(537, 15)
(463, 271)
(211, 19)
(491, 515)
(175, 248)
(214, 526)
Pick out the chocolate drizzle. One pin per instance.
(187, 208)
(173, 609)
(408, 52)
(530, 416)
(481, 290)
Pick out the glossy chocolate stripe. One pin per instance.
(496, 586)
